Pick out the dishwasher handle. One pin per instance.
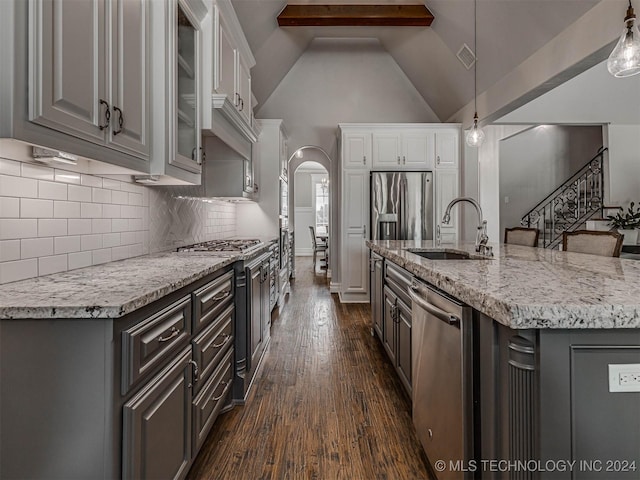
(432, 309)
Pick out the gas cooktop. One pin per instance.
(234, 245)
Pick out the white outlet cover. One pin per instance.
(624, 377)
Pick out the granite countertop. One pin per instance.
(110, 290)
(524, 287)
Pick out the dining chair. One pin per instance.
(317, 247)
(594, 242)
(522, 236)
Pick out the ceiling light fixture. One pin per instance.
(475, 136)
(53, 156)
(624, 60)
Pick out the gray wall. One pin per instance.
(535, 162)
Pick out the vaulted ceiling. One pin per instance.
(509, 31)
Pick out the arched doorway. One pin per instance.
(310, 198)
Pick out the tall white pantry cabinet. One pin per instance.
(388, 147)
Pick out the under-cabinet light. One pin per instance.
(146, 179)
(53, 156)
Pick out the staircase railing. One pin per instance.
(569, 205)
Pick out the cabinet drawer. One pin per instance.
(148, 343)
(211, 298)
(398, 280)
(211, 399)
(210, 345)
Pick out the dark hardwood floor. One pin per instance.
(326, 404)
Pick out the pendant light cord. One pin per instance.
(475, 47)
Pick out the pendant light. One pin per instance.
(624, 60)
(475, 136)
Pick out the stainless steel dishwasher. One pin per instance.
(442, 379)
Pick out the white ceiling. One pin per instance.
(593, 97)
(509, 31)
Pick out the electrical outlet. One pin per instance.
(624, 377)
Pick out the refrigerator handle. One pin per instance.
(402, 211)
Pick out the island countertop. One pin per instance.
(524, 287)
(110, 290)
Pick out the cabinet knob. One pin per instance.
(364, 231)
(430, 433)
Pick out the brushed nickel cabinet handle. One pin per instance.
(195, 371)
(221, 295)
(224, 391)
(404, 160)
(364, 159)
(174, 332)
(398, 159)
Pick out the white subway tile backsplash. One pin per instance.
(79, 260)
(111, 211)
(36, 247)
(120, 198)
(101, 256)
(52, 190)
(79, 193)
(18, 270)
(135, 199)
(120, 253)
(90, 210)
(111, 184)
(63, 176)
(9, 167)
(18, 186)
(127, 238)
(135, 224)
(100, 195)
(91, 181)
(111, 240)
(63, 209)
(53, 220)
(12, 228)
(79, 226)
(9, 250)
(90, 242)
(54, 264)
(55, 227)
(9, 207)
(35, 208)
(119, 225)
(39, 172)
(66, 244)
(100, 225)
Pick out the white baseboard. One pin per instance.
(346, 297)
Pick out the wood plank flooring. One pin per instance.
(326, 404)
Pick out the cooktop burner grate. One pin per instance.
(234, 245)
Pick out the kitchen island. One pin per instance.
(552, 362)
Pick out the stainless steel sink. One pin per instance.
(440, 255)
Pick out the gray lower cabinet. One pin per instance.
(376, 294)
(132, 397)
(156, 429)
(392, 316)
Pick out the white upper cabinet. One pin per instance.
(227, 78)
(447, 148)
(447, 187)
(400, 148)
(356, 149)
(176, 32)
(90, 71)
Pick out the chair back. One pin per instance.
(312, 230)
(522, 236)
(593, 242)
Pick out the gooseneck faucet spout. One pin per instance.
(481, 234)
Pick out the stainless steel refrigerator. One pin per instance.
(401, 205)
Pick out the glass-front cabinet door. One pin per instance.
(188, 153)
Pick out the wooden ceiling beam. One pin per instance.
(355, 16)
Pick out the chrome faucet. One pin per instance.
(481, 235)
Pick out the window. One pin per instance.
(322, 205)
